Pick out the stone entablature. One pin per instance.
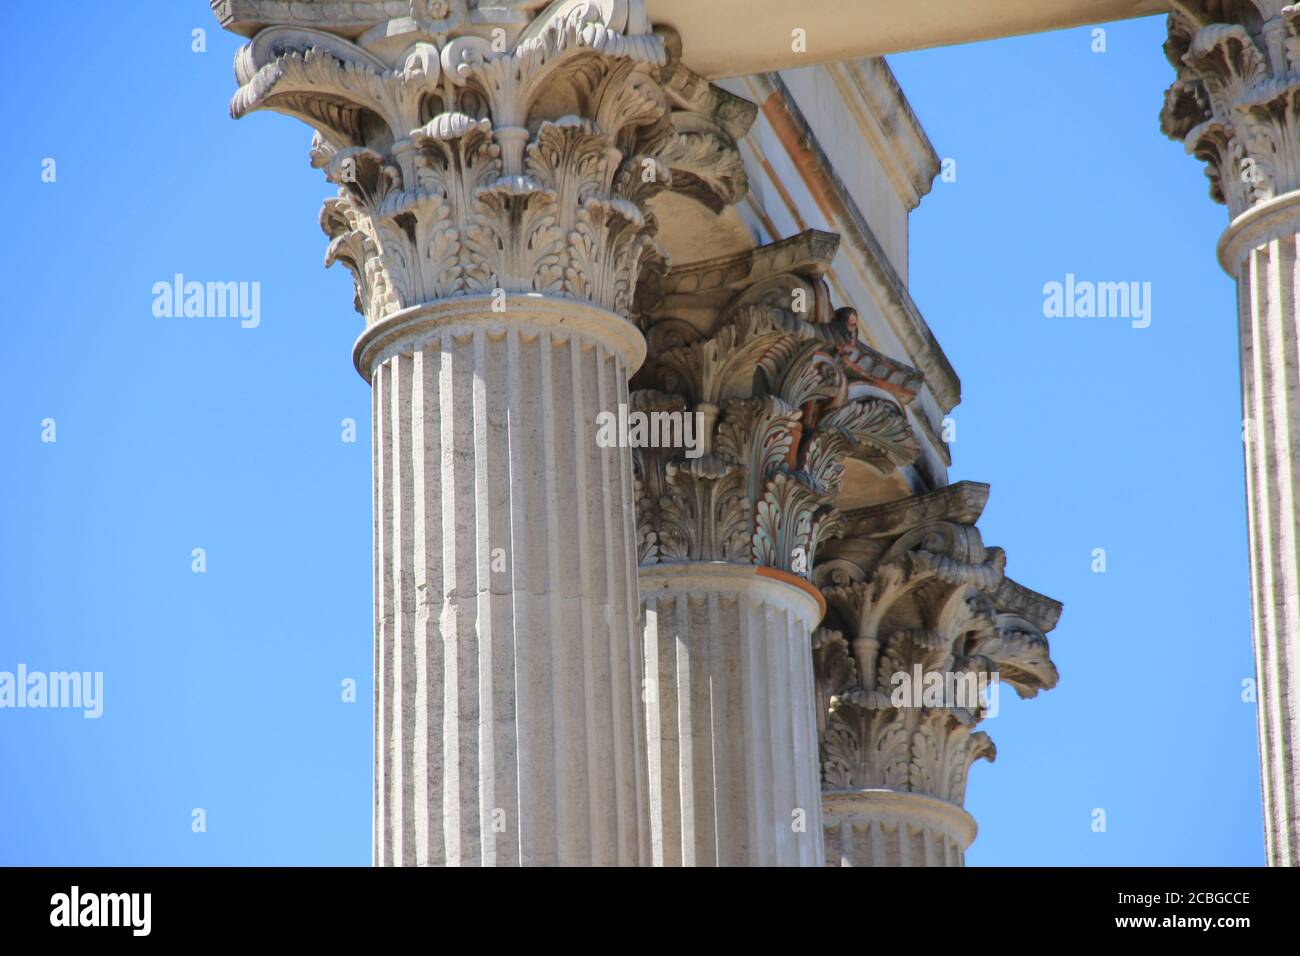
(796, 186)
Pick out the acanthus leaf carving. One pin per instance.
(769, 383)
(1235, 100)
(933, 627)
(525, 167)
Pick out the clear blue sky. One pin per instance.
(222, 690)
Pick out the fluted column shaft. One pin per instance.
(1260, 249)
(731, 721)
(507, 672)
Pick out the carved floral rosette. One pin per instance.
(478, 151)
(911, 585)
(785, 393)
(1236, 100)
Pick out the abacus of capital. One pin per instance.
(554, 209)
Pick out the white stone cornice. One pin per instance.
(380, 22)
(734, 37)
(886, 285)
(888, 124)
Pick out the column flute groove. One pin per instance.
(479, 708)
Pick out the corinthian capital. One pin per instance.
(784, 394)
(489, 147)
(1236, 101)
(921, 617)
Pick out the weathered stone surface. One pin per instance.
(507, 668)
(515, 179)
(1236, 105)
(497, 166)
(922, 625)
(731, 729)
(784, 393)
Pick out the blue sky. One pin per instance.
(222, 689)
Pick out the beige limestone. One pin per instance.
(497, 174)
(739, 37)
(731, 729)
(916, 596)
(1236, 105)
(507, 677)
(524, 189)
(786, 397)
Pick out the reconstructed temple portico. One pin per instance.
(767, 640)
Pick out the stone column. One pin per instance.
(496, 168)
(507, 682)
(1236, 105)
(731, 511)
(923, 629)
